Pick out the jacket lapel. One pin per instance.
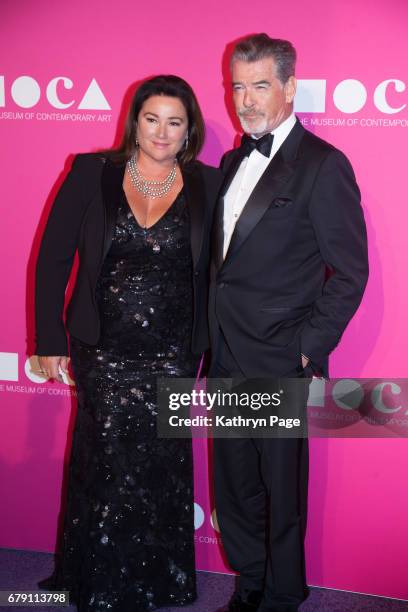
(279, 171)
(231, 170)
(270, 183)
(194, 189)
(217, 231)
(112, 181)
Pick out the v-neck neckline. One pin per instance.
(147, 228)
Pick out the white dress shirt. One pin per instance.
(247, 176)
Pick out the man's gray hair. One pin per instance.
(259, 46)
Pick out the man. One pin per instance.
(288, 272)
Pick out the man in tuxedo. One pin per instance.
(288, 272)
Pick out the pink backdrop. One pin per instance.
(357, 532)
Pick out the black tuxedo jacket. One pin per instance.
(272, 296)
(83, 218)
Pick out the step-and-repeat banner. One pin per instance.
(67, 71)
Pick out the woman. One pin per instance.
(139, 217)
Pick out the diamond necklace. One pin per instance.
(150, 189)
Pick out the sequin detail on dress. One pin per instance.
(129, 526)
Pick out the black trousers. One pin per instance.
(261, 501)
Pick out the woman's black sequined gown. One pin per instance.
(129, 526)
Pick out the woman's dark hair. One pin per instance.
(163, 85)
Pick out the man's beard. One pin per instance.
(261, 127)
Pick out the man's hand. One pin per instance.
(49, 366)
(305, 361)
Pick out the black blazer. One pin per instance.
(83, 218)
(271, 296)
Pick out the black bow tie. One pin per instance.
(264, 144)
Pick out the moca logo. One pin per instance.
(349, 96)
(26, 93)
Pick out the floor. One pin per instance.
(20, 570)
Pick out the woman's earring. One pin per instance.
(186, 142)
(136, 138)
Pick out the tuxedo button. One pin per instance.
(196, 273)
(222, 285)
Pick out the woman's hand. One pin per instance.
(50, 366)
